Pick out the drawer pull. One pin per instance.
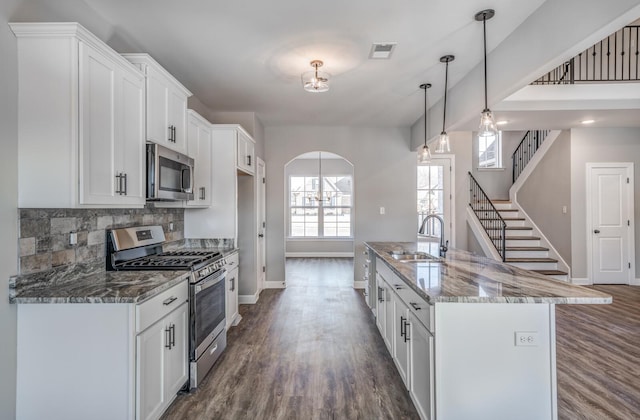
(169, 301)
(415, 306)
(213, 349)
(398, 287)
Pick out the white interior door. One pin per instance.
(261, 187)
(611, 232)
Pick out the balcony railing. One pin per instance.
(528, 146)
(614, 59)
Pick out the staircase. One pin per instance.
(522, 247)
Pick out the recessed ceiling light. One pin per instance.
(502, 122)
(382, 50)
(588, 121)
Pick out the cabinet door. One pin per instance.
(150, 392)
(129, 146)
(199, 148)
(245, 153)
(401, 339)
(390, 324)
(380, 307)
(421, 368)
(177, 114)
(157, 108)
(176, 358)
(97, 104)
(232, 296)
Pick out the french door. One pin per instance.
(435, 195)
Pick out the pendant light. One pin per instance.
(443, 140)
(424, 155)
(487, 123)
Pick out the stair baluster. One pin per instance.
(489, 217)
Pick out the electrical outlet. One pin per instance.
(527, 338)
(73, 238)
(564, 209)
(382, 211)
(170, 226)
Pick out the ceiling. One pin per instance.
(247, 55)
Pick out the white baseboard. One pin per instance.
(275, 285)
(359, 284)
(635, 282)
(318, 254)
(581, 281)
(248, 299)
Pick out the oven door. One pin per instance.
(207, 311)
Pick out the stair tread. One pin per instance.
(499, 210)
(505, 218)
(530, 259)
(501, 201)
(551, 272)
(526, 248)
(522, 238)
(512, 228)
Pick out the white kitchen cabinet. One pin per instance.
(389, 329)
(199, 148)
(162, 360)
(166, 117)
(421, 374)
(380, 307)
(114, 356)
(81, 120)
(245, 156)
(401, 338)
(232, 297)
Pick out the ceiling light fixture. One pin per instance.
(487, 124)
(443, 141)
(315, 81)
(424, 155)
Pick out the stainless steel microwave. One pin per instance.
(169, 174)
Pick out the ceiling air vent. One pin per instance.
(382, 50)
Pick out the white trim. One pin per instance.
(630, 212)
(554, 369)
(248, 299)
(359, 284)
(275, 285)
(582, 281)
(319, 254)
(635, 282)
(515, 188)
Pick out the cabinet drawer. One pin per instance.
(417, 305)
(158, 306)
(231, 261)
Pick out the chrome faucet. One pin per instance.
(443, 246)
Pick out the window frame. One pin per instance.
(499, 165)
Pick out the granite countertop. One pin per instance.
(90, 283)
(464, 277)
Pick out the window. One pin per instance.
(431, 194)
(320, 209)
(490, 151)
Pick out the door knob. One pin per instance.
(260, 235)
(596, 231)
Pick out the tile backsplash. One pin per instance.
(43, 238)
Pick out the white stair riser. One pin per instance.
(563, 278)
(503, 206)
(536, 265)
(515, 232)
(527, 254)
(515, 222)
(526, 242)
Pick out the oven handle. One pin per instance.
(210, 281)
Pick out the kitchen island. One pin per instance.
(472, 338)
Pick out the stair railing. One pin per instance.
(528, 146)
(614, 59)
(489, 217)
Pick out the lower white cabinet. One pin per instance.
(401, 338)
(380, 307)
(421, 375)
(102, 361)
(161, 359)
(232, 297)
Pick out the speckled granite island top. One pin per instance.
(468, 278)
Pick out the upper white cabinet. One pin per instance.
(199, 148)
(166, 104)
(245, 156)
(81, 120)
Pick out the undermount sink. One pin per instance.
(404, 256)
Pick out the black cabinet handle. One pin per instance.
(174, 134)
(124, 178)
(406, 336)
(170, 138)
(202, 193)
(380, 294)
(402, 326)
(233, 284)
(169, 301)
(167, 338)
(415, 306)
(249, 160)
(172, 343)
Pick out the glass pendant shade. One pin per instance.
(315, 81)
(487, 125)
(424, 155)
(443, 143)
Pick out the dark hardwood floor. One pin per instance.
(598, 357)
(311, 351)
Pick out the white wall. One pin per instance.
(598, 145)
(8, 208)
(384, 175)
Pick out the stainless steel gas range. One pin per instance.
(140, 248)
